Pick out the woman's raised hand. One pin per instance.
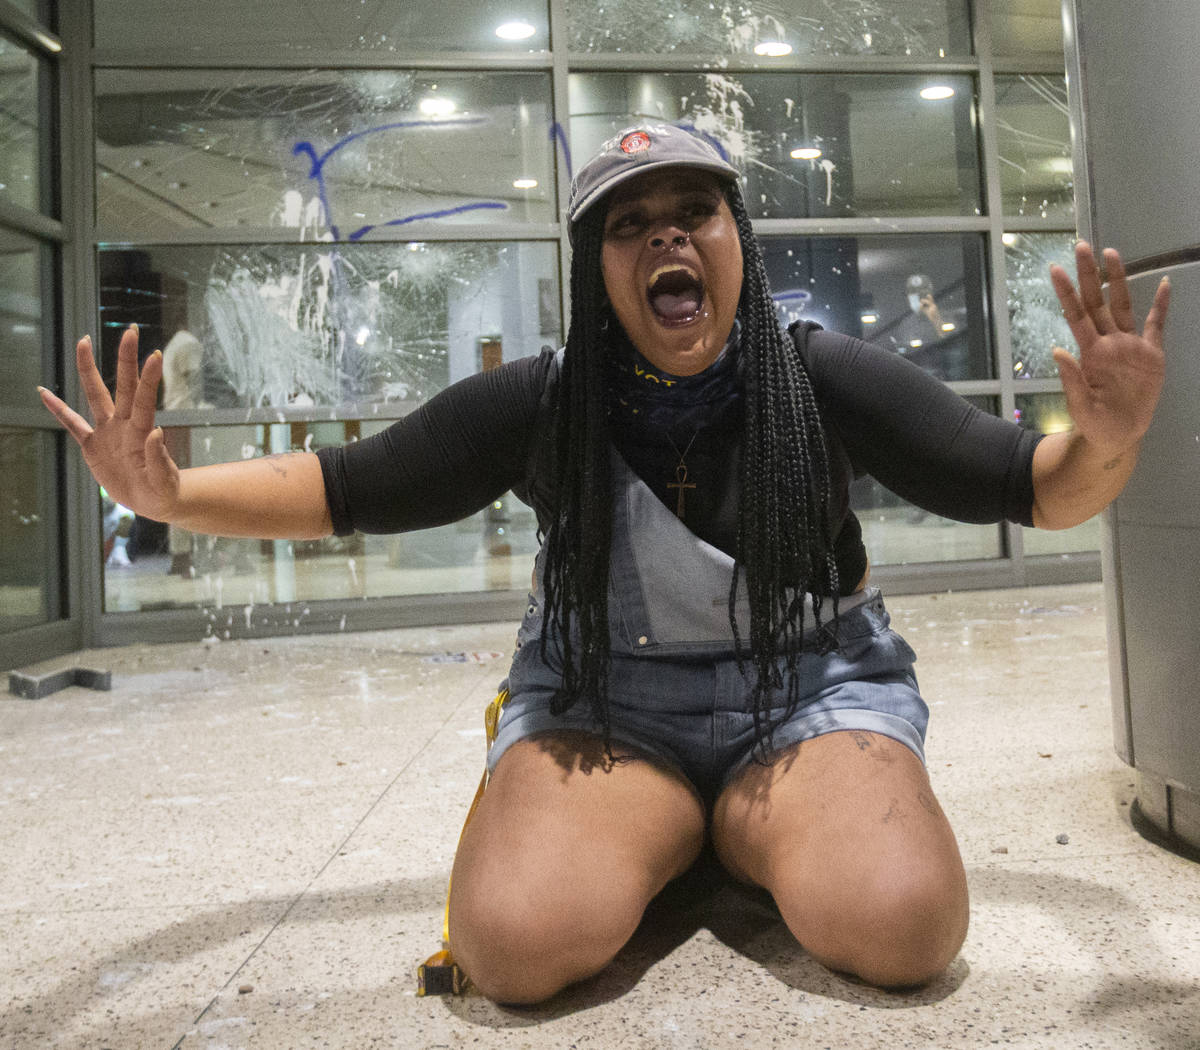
(123, 449)
(1112, 388)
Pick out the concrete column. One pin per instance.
(1134, 80)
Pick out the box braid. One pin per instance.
(580, 538)
(784, 536)
(784, 544)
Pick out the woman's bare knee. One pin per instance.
(903, 932)
(559, 861)
(517, 949)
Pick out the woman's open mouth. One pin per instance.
(675, 294)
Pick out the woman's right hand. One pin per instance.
(123, 449)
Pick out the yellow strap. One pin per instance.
(491, 719)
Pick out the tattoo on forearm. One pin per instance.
(274, 462)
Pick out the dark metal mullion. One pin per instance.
(277, 235)
(627, 62)
(1013, 543)
(267, 59)
(80, 311)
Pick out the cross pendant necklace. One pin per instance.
(681, 474)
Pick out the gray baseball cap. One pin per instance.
(635, 151)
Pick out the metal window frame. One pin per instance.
(79, 240)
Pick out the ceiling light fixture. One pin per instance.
(806, 153)
(515, 31)
(772, 49)
(936, 92)
(525, 184)
(436, 106)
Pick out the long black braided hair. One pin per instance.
(784, 534)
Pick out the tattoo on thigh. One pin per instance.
(929, 803)
(863, 740)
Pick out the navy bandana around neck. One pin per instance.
(643, 394)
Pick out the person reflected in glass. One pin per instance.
(703, 658)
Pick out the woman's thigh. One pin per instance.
(846, 834)
(560, 859)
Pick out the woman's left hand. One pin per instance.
(1113, 386)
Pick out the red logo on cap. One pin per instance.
(635, 142)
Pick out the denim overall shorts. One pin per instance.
(675, 691)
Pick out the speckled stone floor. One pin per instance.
(246, 844)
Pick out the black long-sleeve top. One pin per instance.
(882, 416)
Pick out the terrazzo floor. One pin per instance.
(246, 844)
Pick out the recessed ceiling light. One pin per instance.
(1009, 239)
(916, 344)
(948, 326)
(936, 92)
(436, 106)
(773, 49)
(806, 153)
(869, 318)
(525, 184)
(515, 31)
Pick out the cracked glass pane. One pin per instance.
(916, 28)
(812, 145)
(1027, 28)
(1033, 134)
(335, 155)
(305, 325)
(261, 584)
(919, 295)
(1035, 319)
(241, 29)
(19, 133)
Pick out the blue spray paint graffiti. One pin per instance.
(317, 164)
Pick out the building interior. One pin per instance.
(232, 814)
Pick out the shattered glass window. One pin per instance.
(304, 325)
(1033, 133)
(1027, 28)
(19, 131)
(911, 28)
(1035, 320)
(919, 295)
(812, 145)
(241, 28)
(269, 583)
(332, 154)
(898, 533)
(21, 261)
